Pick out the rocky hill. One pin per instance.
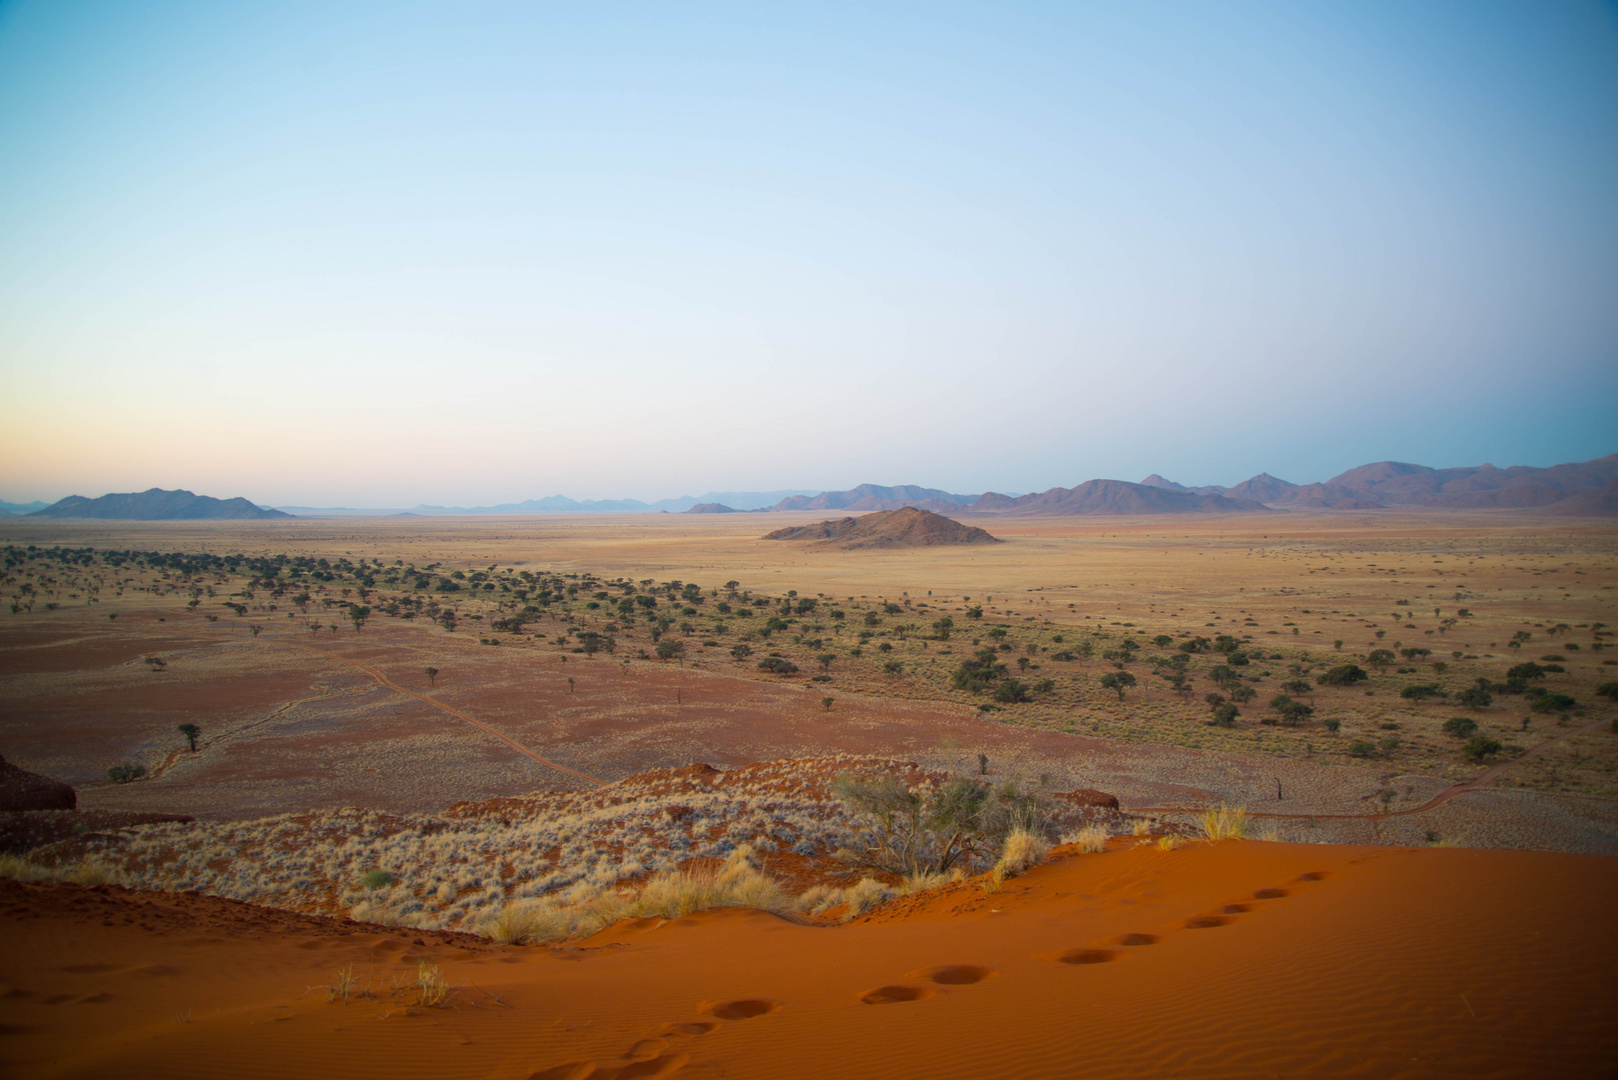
(876, 497)
(906, 527)
(1114, 497)
(157, 505)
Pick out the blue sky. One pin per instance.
(376, 254)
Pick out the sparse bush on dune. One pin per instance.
(1021, 850)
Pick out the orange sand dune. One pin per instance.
(1243, 959)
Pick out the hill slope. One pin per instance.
(1114, 497)
(876, 497)
(907, 527)
(157, 505)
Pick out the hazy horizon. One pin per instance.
(384, 255)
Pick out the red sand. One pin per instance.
(1242, 960)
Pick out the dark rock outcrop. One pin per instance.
(23, 790)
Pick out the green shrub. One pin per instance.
(1479, 747)
(123, 774)
(377, 879)
(1361, 748)
(1461, 727)
(1343, 675)
(1553, 703)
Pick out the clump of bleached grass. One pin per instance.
(1021, 850)
(88, 871)
(1091, 839)
(1224, 823)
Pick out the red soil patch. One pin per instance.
(1370, 961)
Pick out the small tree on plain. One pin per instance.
(191, 732)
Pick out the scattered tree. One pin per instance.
(191, 732)
(1119, 681)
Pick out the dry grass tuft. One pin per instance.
(1022, 850)
(1169, 843)
(1092, 839)
(431, 989)
(1142, 827)
(1225, 823)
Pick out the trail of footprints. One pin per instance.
(663, 1055)
(1226, 915)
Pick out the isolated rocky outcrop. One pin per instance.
(158, 505)
(907, 527)
(23, 790)
(712, 508)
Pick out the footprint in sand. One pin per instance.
(1086, 956)
(893, 995)
(1136, 940)
(955, 974)
(744, 1009)
(1207, 922)
(636, 1070)
(650, 1058)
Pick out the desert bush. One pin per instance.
(1479, 747)
(1360, 748)
(930, 828)
(123, 774)
(1224, 715)
(1460, 726)
(1224, 823)
(1169, 843)
(377, 879)
(1422, 691)
(1342, 675)
(1141, 827)
(1608, 690)
(1553, 703)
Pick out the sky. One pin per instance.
(382, 254)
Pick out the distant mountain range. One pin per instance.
(561, 504)
(1396, 484)
(156, 505)
(1583, 489)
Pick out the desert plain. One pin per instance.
(442, 765)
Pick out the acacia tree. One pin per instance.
(191, 732)
(1119, 681)
(432, 676)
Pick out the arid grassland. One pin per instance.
(1119, 630)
